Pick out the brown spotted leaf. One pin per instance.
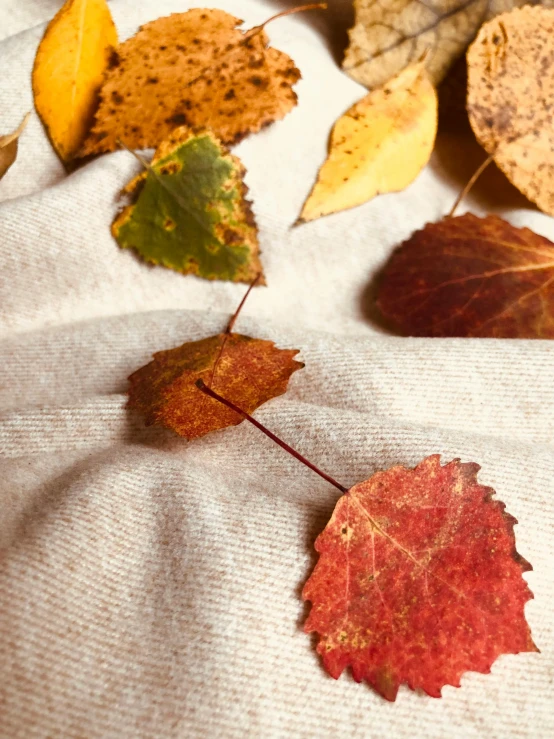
(196, 69)
(468, 276)
(247, 371)
(418, 580)
(511, 98)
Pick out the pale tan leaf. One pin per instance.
(8, 146)
(388, 35)
(511, 98)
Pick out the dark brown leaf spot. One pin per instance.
(178, 119)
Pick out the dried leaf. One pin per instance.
(379, 145)
(391, 34)
(8, 146)
(418, 580)
(511, 99)
(468, 276)
(247, 371)
(190, 213)
(192, 68)
(67, 75)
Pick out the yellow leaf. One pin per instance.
(380, 145)
(69, 66)
(8, 146)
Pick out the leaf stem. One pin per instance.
(472, 180)
(229, 328)
(283, 13)
(242, 302)
(208, 391)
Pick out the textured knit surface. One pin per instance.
(150, 587)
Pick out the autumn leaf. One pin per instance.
(8, 146)
(67, 74)
(418, 580)
(511, 99)
(194, 68)
(190, 213)
(247, 370)
(468, 276)
(391, 34)
(380, 145)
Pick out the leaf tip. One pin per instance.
(299, 221)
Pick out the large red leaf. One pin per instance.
(418, 580)
(468, 276)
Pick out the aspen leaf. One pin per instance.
(67, 74)
(391, 34)
(418, 580)
(511, 99)
(468, 276)
(380, 145)
(248, 371)
(196, 69)
(8, 146)
(190, 213)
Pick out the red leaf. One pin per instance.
(418, 580)
(248, 371)
(468, 276)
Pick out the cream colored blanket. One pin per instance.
(150, 587)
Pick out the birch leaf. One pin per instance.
(196, 69)
(189, 211)
(511, 99)
(250, 371)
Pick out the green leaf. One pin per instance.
(189, 211)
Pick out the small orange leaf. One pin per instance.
(247, 371)
(418, 580)
(469, 276)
